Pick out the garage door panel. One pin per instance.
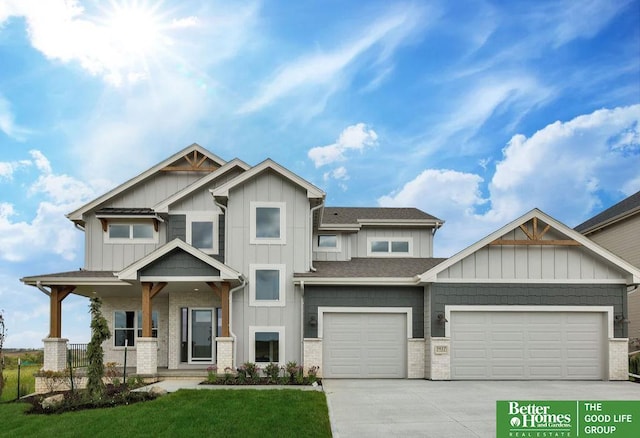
(527, 345)
(369, 345)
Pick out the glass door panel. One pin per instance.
(201, 334)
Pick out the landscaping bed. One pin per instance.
(272, 374)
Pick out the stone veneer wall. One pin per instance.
(312, 355)
(618, 359)
(415, 358)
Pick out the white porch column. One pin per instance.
(147, 356)
(55, 354)
(224, 353)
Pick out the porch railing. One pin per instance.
(78, 355)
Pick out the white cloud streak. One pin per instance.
(8, 124)
(354, 137)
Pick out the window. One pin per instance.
(202, 231)
(267, 285)
(127, 327)
(267, 344)
(393, 246)
(268, 223)
(131, 233)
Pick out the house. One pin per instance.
(618, 229)
(201, 261)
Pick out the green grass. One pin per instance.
(228, 413)
(27, 382)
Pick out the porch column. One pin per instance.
(147, 346)
(55, 354)
(222, 292)
(58, 293)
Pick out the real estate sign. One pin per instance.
(554, 418)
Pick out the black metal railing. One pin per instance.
(77, 355)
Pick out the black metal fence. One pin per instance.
(77, 355)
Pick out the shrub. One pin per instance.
(273, 372)
(313, 374)
(212, 374)
(2, 335)
(250, 372)
(228, 376)
(95, 354)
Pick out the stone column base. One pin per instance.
(440, 355)
(415, 358)
(618, 359)
(147, 356)
(312, 355)
(224, 353)
(55, 354)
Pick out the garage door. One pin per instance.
(527, 345)
(364, 345)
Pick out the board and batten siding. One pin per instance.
(342, 254)
(421, 237)
(109, 256)
(294, 254)
(531, 262)
(621, 238)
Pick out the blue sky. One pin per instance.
(474, 111)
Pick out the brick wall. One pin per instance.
(416, 358)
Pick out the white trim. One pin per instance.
(508, 308)
(169, 278)
(389, 240)
(431, 275)
(253, 225)
(130, 240)
(532, 280)
(203, 216)
(312, 191)
(281, 301)
(253, 329)
(337, 248)
(406, 310)
(364, 281)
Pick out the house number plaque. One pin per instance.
(441, 349)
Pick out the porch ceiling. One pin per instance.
(135, 288)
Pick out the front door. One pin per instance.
(201, 335)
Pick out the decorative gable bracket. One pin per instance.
(534, 236)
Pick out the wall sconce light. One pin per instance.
(313, 320)
(440, 317)
(620, 319)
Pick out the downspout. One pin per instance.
(311, 268)
(78, 226)
(302, 318)
(233, 335)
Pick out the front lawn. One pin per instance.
(229, 413)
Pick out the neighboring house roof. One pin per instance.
(268, 164)
(163, 207)
(633, 272)
(355, 217)
(131, 272)
(79, 277)
(76, 215)
(376, 270)
(623, 209)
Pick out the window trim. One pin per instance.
(317, 247)
(281, 301)
(253, 239)
(130, 239)
(253, 329)
(389, 253)
(203, 216)
(137, 314)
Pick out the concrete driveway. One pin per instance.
(423, 408)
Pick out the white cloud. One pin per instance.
(559, 169)
(7, 122)
(326, 69)
(356, 137)
(339, 173)
(49, 232)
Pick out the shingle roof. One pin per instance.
(351, 215)
(622, 208)
(372, 267)
(80, 273)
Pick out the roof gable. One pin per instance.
(268, 164)
(131, 272)
(538, 232)
(163, 207)
(193, 158)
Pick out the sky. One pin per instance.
(473, 111)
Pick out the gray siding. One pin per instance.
(622, 239)
(421, 237)
(364, 296)
(179, 264)
(177, 229)
(527, 294)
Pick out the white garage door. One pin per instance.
(364, 345)
(527, 345)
